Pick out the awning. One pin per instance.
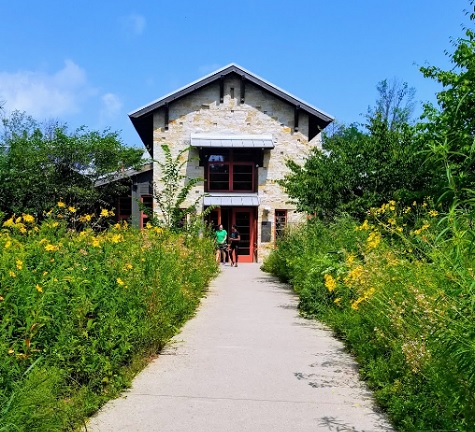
(232, 141)
(231, 200)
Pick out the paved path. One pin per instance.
(246, 362)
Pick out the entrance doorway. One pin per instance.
(245, 219)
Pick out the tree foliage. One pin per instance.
(42, 164)
(448, 132)
(362, 166)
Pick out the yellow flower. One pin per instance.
(72, 209)
(96, 242)
(104, 213)
(19, 264)
(12, 274)
(18, 220)
(38, 288)
(120, 281)
(9, 223)
(364, 226)
(337, 300)
(350, 259)
(1, 298)
(355, 304)
(85, 218)
(28, 218)
(61, 204)
(116, 238)
(51, 248)
(8, 244)
(433, 213)
(330, 282)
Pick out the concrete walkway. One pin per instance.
(246, 362)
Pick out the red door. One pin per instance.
(244, 219)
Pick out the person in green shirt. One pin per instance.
(221, 237)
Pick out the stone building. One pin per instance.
(239, 130)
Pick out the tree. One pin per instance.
(362, 166)
(449, 130)
(41, 165)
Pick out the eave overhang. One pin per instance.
(142, 118)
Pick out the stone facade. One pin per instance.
(218, 109)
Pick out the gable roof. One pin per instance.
(142, 118)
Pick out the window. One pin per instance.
(280, 223)
(124, 209)
(231, 170)
(147, 202)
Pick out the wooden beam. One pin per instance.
(296, 118)
(243, 89)
(166, 113)
(221, 89)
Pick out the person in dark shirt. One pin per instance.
(234, 240)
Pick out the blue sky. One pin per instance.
(92, 63)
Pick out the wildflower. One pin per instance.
(116, 238)
(433, 213)
(104, 213)
(129, 266)
(337, 300)
(28, 218)
(19, 264)
(72, 209)
(85, 218)
(12, 274)
(61, 204)
(364, 226)
(18, 220)
(96, 242)
(373, 240)
(51, 248)
(355, 304)
(350, 259)
(9, 223)
(120, 281)
(45, 273)
(8, 244)
(38, 288)
(11, 351)
(330, 282)
(354, 275)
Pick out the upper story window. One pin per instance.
(231, 170)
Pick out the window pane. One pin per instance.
(242, 177)
(218, 177)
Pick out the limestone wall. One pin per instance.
(261, 113)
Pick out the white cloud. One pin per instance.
(133, 24)
(111, 106)
(44, 95)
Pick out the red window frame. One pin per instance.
(231, 166)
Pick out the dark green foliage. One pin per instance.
(41, 165)
(362, 168)
(449, 131)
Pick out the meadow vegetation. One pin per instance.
(83, 309)
(387, 260)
